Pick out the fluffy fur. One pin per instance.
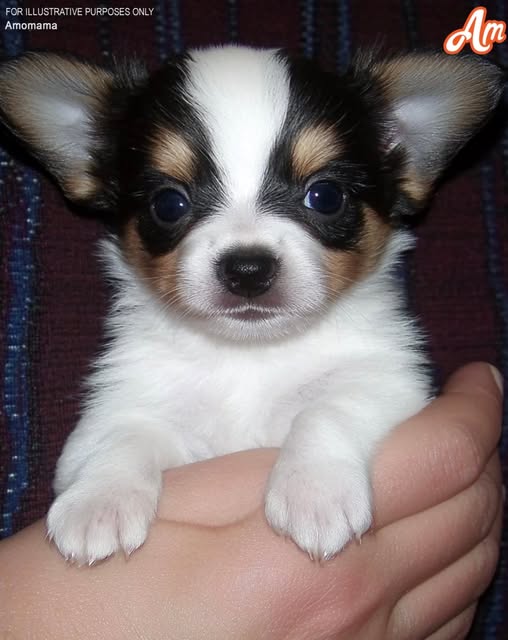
(317, 356)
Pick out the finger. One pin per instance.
(442, 450)
(445, 594)
(428, 458)
(456, 629)
(418, 548)
(218, 491)
(440, 598)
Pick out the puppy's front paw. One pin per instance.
(320, 506)
(90, 521)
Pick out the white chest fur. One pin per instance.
(217, 397)
(165, 393)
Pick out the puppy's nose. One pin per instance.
(248, 272)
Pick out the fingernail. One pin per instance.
(497, 377)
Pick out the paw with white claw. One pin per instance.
(90, 522)
(322, 506)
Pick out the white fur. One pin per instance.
(166, 394)
(324, 380)
(242, 95)
(299, 292)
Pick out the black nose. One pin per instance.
(247, 272)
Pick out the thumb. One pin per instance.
(477, 377)
(443, 449)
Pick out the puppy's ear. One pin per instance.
(436, 103)
(65, 112)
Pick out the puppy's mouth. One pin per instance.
(251, 312)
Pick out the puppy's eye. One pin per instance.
(170, 205)
(324, 197)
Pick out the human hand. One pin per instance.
(212, 567)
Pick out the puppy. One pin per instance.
(258, 206)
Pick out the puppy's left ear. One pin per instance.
(436, 103)
(67, 113)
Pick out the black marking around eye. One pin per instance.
(162, 106)
(338, 104)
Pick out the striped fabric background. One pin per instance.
(51, 296)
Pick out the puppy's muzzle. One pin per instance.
(247, 272)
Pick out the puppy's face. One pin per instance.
(251, 206)
(251, 190)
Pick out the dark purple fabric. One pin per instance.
(53, 300)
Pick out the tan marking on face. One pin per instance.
(342, 270)
(172, 155)
(160, 273)
(345, 268)
(314, 148)
(375, 236)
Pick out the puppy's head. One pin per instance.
(251, 190)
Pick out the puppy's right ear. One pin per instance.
(65, 111)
